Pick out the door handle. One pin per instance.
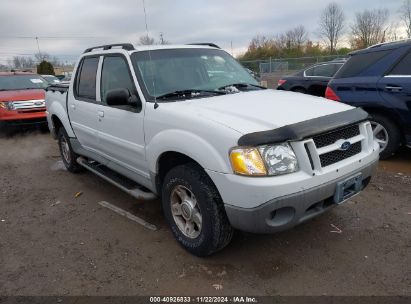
(100, 113)
(393, 88)
(73, 106)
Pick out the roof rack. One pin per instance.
(124, 46)
(206, 44)
(389, 42)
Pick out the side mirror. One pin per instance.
(117, 97)
(122, 97)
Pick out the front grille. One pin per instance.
(337, 155)
(329, 138)
(28, 104)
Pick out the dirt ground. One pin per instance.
(53, 243)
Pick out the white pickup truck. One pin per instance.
(189, 124)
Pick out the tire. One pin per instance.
(66, 151)
(215, 232)
(5, 130)
(44, 129)
(387, 134)
(300, 90)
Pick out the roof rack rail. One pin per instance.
(389, 42)
(206, 44)
(125, 46)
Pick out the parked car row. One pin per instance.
(377, 79)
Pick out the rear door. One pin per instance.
(121, 131)
(318, 77)
(83, 107)
(395, 89)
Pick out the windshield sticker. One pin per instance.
(36, 80)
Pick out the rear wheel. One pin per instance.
(195, 211)
(300, 90)
(387, 134)
(67, 153)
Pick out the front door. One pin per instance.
(121, 132)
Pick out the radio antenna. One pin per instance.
(149, 56)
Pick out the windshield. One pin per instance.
(22, 82)
(187, 69)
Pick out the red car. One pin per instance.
(22, 99)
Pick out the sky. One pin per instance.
(66, 27)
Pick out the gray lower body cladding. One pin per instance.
(285, 212)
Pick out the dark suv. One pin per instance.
(378, 79)
(312, 80)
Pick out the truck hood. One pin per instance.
(20, 95)
(262, 110)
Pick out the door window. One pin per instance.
(115, 75)
(359, 63)
(403, 67)
(324, 70)
(86, 82)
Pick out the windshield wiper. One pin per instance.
(241, 85)
(189, 93)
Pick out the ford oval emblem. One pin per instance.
(345, 146)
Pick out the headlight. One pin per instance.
(8, 105)
(264, 160)
(247, 162)
(279, 159)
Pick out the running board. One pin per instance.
(117, 179)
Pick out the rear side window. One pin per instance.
(403, 67)
(86, 83)
(325, 70)
(359, 63)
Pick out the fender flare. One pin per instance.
(56, 109)
(186, 143)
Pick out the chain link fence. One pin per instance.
(272, 69)
(273, 65)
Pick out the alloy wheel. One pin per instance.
(186, 211)
(380, 135)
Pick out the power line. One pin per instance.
(53, 37)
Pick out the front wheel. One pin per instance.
(195, 211)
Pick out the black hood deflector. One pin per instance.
(304, 129)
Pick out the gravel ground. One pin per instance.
(54, 243)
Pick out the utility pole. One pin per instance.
(38, 47)
(232, 54)
(161, 38)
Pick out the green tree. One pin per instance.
(45, 68)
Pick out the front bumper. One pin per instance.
(287, 211)
(25, 122)
(23, 118)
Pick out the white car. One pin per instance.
(220, 151)
(51, 79)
